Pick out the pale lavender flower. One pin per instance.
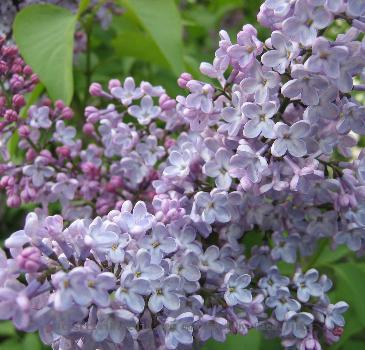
(284, 52)
(165, 294)
(39, 117)
(146, 112)
(200, 97)
(213, 327)
(290, 139)
(235, 289)
(307, 285)
(334, 316)
(218, 169)
(179, 330)
(260, 122)
(296, 324)
(142, 267)
(131, 292)
(209, 260)
(282, 303)
(38, 171)
(128, 92)
(64, 134)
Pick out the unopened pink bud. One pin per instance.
(63, 151)
(184, 79)
(113, 83)
(24, 131)
(166, 102)
(95, 89)
(30, 155)
(27, 70)
(13, 201)
(10, 115)
(59, 104)
(67, 113)
(88, 129)
(29, 259)
(18, 101)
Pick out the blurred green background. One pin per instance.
(154, 40)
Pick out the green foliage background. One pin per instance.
(155, 40)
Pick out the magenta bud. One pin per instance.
(10, 116)
(63, 151)
(166, 102)
(27, 70)
(60, 104)
(30, 155)
(169, 142)
(18, 101)
(24, 131)
(67, 113)
(113, 83)
(13, 201)
(184, 79)
(3, 67)
(88, 129)
(29, 259)
(95, 89)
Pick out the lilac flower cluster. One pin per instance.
(91, 173)
(254, 155)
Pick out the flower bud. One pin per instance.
(18, 101)
(10, 116)
(88, 129)
(24, 131)
(184, 79)
(67, 113)
(113, 83)
(13, 201)
(95, 89)
(29, 259)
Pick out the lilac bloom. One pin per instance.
(280, 7)
(260, 122)
(296, 324)
(282, 303)
(209, 261)
(236, 292)
(247, 163)
(65, 187)
(15, 304)
(326, 59)
(91, 286)
(159, 243)
(218, 169)
(212, 207)
(290, 139)
(247, 47)
(113, 325)
(213, 327)
(179, 164)
(131, 292)
(165, 294)
(283, 53)
(64, 134)
(232, 116)
(187, 267)
(262, 82)
(150, 151)
(38, 171)
(285, 247)
(303, 25)
(325, 109)
(355, 8)
(142, 267)
(128, 92)
(305, 85)
(353, 118)
(307, 285)
(334, 316)
(201, 96)
(146, 111)
(138, 222)
(39, 117)
(179, 330)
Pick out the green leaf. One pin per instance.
(11, 344)
(31, 341)
(82, 7)
(161, 20)
(145, 49)
(45, 37)
(251, 341)
(7, 329)
(350, 286)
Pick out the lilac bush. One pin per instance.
(157, 195)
